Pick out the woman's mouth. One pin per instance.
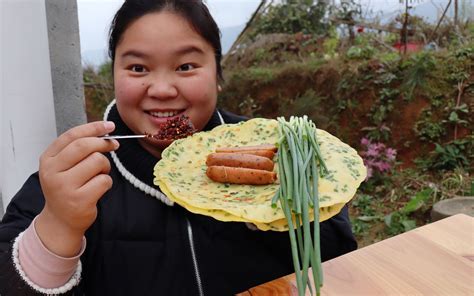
(164, 114)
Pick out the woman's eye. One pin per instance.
(185, 67)
(138, 69)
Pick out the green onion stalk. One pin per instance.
(300, 164)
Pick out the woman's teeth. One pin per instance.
(164, 114)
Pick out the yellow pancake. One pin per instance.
(181, 175)
(277, 225)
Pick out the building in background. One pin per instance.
(41, 92)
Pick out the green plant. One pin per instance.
(359, 227)
(331, 43)
(449, 156)
(399, 221)
(402, 202)
(385, 79)
(379, 133)
(379, 112)
(416, 70)
(456, 114)
(360, 52)
(388, 57)
(367, 214)
(391, 38)
(105, 71)
(260, 55)
(98, 90)
(437, 101)
(459, 64)
(263, 75)
(353, 80)
(308, 104)
(385, 105)
(428, 127)
(292, 16)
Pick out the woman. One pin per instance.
(166, 63)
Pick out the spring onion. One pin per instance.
(300, 164)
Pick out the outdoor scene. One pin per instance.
(339, 159)
(399, 89)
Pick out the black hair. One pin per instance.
(194, 11)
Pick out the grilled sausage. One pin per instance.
(235, 175)
(248, 148)
(265, 153)
(240, 160)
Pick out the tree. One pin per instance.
(292, 16)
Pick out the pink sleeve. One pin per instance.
(40, 265)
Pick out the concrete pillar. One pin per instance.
(41, 92)
(66, 66)
(1, 108)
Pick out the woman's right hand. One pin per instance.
(73, 174)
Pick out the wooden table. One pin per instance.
(435, 259)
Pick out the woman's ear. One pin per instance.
(219, 88)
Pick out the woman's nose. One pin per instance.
(162, 87)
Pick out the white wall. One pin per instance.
(1, 108)
(27, 120)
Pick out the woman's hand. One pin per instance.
(73, 175)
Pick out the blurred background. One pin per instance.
(392, 79)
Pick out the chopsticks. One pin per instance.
(124, 137)
(172, 129)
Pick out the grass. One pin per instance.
(392, 204)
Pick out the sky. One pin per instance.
(95, 17)
(230, 15)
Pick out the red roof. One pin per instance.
(411, 46)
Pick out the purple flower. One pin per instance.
(372, 151)
(390, 153)
(364, 141)
(379, 146)
(382, 166)
(378, 158)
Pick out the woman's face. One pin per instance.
(163, 69)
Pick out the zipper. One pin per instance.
(193, 254)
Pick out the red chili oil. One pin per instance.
(175, 128)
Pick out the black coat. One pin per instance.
(140, 246)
